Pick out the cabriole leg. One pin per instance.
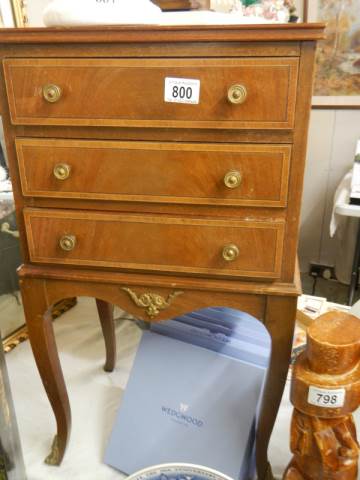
(106, 315)
(41, 336)
(280, 321)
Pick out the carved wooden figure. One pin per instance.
(325, 391)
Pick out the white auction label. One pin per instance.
(182, 90)
(326, 398)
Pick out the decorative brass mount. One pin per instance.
(152, 302)
(54, 456)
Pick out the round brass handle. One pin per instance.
(232, 179)
(67, 242)
(237, 94)
(51, 93)
(230, 252)
(62, 171)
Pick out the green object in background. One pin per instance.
(249, 2)
(3, 475)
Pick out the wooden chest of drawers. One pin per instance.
(158, 206)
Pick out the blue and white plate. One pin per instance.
(178, 471)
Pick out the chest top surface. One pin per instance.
(156, 33)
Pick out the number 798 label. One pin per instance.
(326, 398)
(182, 90)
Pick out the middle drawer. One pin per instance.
(207, 174)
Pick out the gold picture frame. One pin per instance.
(13, 13)
(337, 79)
(20, 12)
(21, 334)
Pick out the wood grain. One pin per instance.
(131, 92)
(330, 362)
(219, 285)
(303, 109)
(155, 243)
(150, 134)
(164, 34)
(155, 172)
(199, 49)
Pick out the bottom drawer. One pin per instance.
(155, 242)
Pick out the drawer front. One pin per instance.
(107, 92)
(156, 243)
(248, 175)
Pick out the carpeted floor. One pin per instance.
(94, 397)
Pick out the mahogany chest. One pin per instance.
(161, 200)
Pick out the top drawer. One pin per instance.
(107, 92)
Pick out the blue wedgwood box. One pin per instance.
(226, 331)
(184, 403)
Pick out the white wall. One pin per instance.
(34, 10)
(332, 141)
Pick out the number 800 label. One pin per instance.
(182, 90)
(326, 398)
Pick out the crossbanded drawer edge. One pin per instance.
(51, 151)
(80, 218)
(32, 110)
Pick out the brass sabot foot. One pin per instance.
(54, 457)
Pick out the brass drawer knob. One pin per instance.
(237, 94)
(67, 242)
(230, 252)
(51, 93)
(62, 171)
(232, 179)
